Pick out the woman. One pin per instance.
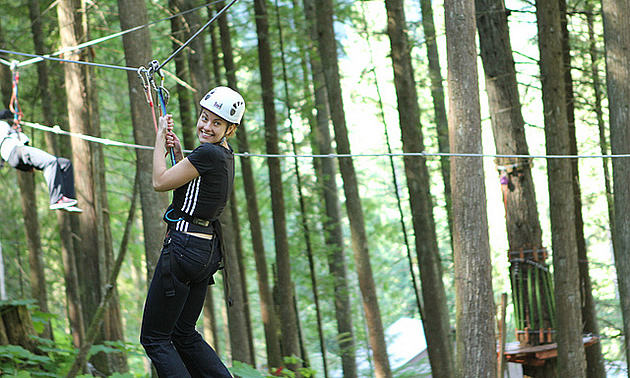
(191, 254)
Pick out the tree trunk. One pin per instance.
(476, 349)
(86, 166)
(5, 75)
(435, 317)
(184, 97)
(594, 360)
(562, 211)
(237, 320)
(26, 181)
(288, 320)
(238, 243)
(332, 216)
(137, 47)
(267, 310)
(196, 51)
(327, 46)
(74, 310)
(617, 39)
(529, 275)
(439, 107)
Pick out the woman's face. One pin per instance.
(210, 127)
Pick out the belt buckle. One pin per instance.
(201, 222)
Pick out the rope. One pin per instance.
(148, 82)
(103, 39)
(219, 13)
(67, 60)
(57, 130)
(14, 104)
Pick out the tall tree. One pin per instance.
(594, 361)
(437, 95)
(285, 297)
(237, 314)
(196, 51)
(332, 216)
(617, 40)
(435, 317)
(88, 168)
(476, 349)
(26, 181)
(138, 53)
(561, 206)
(267, 308)
(184, 95)
(327, 48)
(529, 274)
(73, 302)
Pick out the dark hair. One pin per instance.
(6, 114)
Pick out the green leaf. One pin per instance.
(245, 371)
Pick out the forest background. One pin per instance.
(371, 110)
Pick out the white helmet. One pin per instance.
(226, 103)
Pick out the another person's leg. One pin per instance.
(58, 173)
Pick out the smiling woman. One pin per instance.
(202, 182)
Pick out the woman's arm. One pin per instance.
(165, 178)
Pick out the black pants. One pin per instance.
(168, 332)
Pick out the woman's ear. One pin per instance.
(230, 130)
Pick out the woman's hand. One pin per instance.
(170, 139)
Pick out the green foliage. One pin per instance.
(15, 360)
(247, 371)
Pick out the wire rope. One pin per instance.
(39, 58)
(67, 60)
(57, 130)
(183, 46)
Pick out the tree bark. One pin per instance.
(186, 106)
(26, 181)
(237, 315)
(138, 53)
(331, 216)
(562, 210)
(87, 166)
(327, 47)
(476, 349)
(435, 316)
(529, 274)
(594, 360)
(286, 306)
(439, 107)
(267, 308)
(617, 40)
(196, 52)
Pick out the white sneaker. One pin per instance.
(63, 203)
(73, 209)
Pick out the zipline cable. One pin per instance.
(57, 130)
(39, 58)
(183, 46)
(67, 60)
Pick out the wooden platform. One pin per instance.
(536, 355)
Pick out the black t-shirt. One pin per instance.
(205, 197)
